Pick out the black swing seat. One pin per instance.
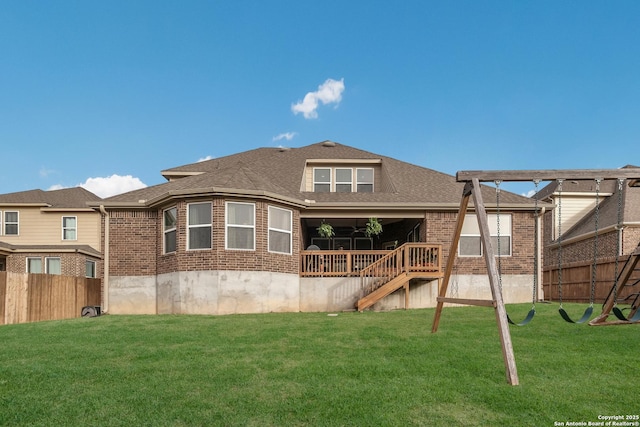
(526, 320)
(620, 315)
(584, 318)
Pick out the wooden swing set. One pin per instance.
(472, 189)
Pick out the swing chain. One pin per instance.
(618, 232)
(594, 268)
(536, 247)
(498, 182)
(560, 241)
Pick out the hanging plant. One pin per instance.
(325, 230)
(373, 227)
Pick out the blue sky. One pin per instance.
(109, 93)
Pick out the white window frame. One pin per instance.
(75, 228)
(492, 220)
(289, 232)
(17, 223)
(166, 231)
(33, 258)
(46, 264)
(227, 226)
(208, 225)
(94, 272)
(350, 182)
(358, 182)
(330, 183)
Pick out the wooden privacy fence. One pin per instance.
(577, 278)
(35, 297)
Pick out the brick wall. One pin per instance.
(441, 227)
(71, 264)
(137, 243)
(132, 243)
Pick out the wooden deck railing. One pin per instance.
(410, 257)
(320, 263)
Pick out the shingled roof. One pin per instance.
(279, 172)
(67, 198)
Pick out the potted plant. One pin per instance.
(373, 227)
(325, 230)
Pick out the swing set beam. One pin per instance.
(549, 175)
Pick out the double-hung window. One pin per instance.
(34, 265)
(240, 226)
(322, 180)
(90, 268)
(199, 225)
(280, 225)
(53, 265)
(470, 241)
(169, 229)
(69, 228)
(11, 223)
(344, 181)
(364, 180)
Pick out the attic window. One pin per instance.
(322, 180)
(365, 180)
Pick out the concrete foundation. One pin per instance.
(234, 292)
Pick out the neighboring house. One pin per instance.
(575, 220)
(572, 224)
(53, 232)
(238, 234)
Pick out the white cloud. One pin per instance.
(329, 92)
(112, 185)
(204, 159)
(287, 135)
(44, 172)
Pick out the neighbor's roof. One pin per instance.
(7, 248)
(280, 172)
(68, 198)
(623, 207)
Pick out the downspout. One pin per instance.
(105, 263)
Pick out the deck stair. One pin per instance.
(396, 269)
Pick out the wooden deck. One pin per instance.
(412, 258)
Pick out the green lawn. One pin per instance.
(311, 369)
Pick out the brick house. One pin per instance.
(239, 234)
(53, 232)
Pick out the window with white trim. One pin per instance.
(11, 223)
(280, 226)
(90, 269)
(34, 265)
(322, 180)
(69, 228)
(344, 180)
(364, 180)
(199, 225)
(471, 243)
(169, 222)
(53, 265)
(241, 226)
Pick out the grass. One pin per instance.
(310, 369)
